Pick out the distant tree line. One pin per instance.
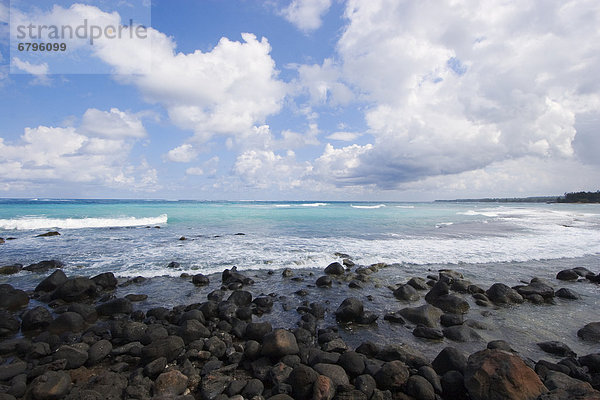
(580, 197)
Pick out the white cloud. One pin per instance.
(263, 169)
(344, 136)
(39, 70)
(457, 86)
(113, 124)
(184, 153)
(306, 15)
(323, 83)
(194, 171)
(57, 154)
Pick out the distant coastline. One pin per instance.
(574, 197)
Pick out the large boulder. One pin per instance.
(279, 343)
(426, 315)
(36, 318)
(536, 287)
(115, 306)
(67, 322)
(499, 293)
(335, 269)
(9, 325)
(350, 310)
(76, 289)
(449, 359)
(168, 347)
(12, 299)
(44, 266)
(590, 332)
(51, 385)
(406, 293)
(302, 379)
(451, 304)
(105, 280)
(496, 374)
(392, 375)
(51, 282)
(567, 275)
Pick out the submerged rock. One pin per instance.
(499, 293)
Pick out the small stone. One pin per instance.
(324, 281)
(51, 385)
(171, 383)
(335, 269)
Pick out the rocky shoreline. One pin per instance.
(78, 338)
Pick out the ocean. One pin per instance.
(487, 242)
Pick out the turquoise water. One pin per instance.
(486, 242)
(121, 235)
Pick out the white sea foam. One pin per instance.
(368, 207)
(282, 205)
(26, 223)
(405, 206)
(314, 204)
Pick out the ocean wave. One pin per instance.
(282, 205)
(314, 204)
(30, 223)
(377, 206)
(405, 206)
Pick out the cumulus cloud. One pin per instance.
(264, 168)
(113, 123)
(184, 153)
(306, 15)
(40, 71)
(323, 83)
(458, 86)
(70, 154)
(344, 136)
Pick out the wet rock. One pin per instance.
(173, 264)
(76, 289)
(258, 330)
(14, 368)
(230, 276)
(48, 234)
(498, 374)
(569, 294)
(51, 282)
(426, 332)
(216, 346)
(355, 284)
(418, 283)
(336, 373)
(44, 266)
(352, 362)
(99, 351)
(591, 361)
(451, 319)
(590, 332)
(324, 281)
(335, 345)
(169, 347)
(254, 387)
(9, 325)
(420, 388)
(406, 293)
(500, 345)
(453, 386)
(348, 263)
(499, 293)
(567, 275)
(287, 273)
(394, 317)
(432, 377)
(392, 375)
(557, 348)
(536, 287)
(12, 299)
(116, 306)
(134, 298)
(426, 315)
(106, 280)
(323, 388)
(75, 355)
(213, 385)
(449, 359)
(10, 269)
(67, 322)
(451, 304)
(335, 269)
(366, 384)
(51, 385)
(36, 318)
(351, 309)
(404, 353)
(279, 343)
(460, 285)
(461, 333)
(200, 280)
(302, 379)
(171, 383)
(562, 386)
(240, 298)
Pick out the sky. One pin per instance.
(375, 100)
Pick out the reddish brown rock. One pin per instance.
(496, 374)
(323, 388)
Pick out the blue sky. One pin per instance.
(306, 99)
